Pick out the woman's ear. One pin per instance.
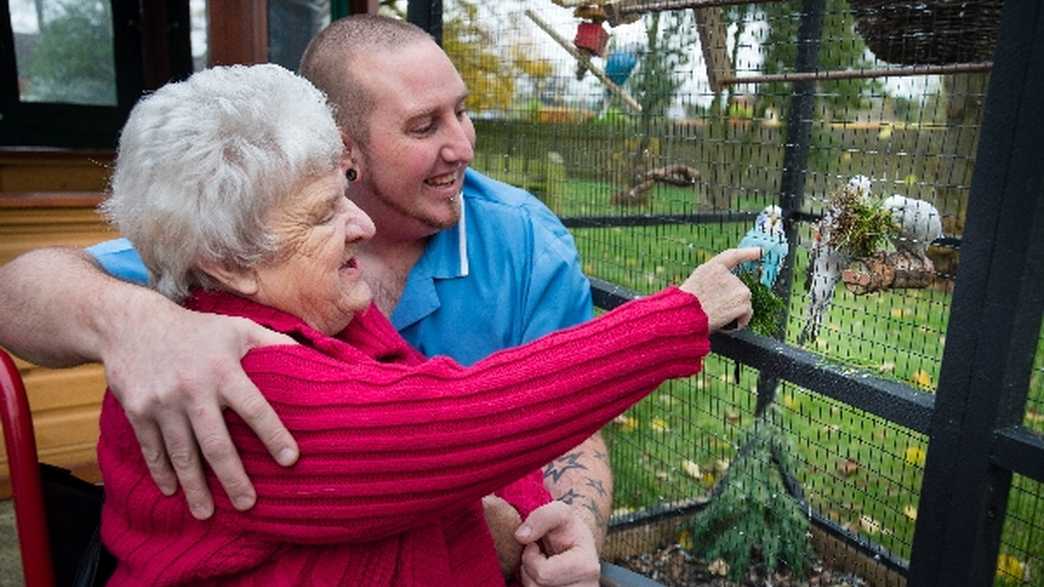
(241, 281)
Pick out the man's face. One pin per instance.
(420, 142)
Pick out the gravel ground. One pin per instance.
(675, 567)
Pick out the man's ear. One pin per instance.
(241, 281)
(351, 158)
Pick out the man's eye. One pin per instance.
(425, 129)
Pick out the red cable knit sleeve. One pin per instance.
(385, 447)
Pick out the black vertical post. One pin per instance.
(795, 164)
(994, 320)
(427, 14)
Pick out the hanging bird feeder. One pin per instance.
(591, 38)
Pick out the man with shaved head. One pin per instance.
(464, 266)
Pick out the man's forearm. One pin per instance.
(583, 479)
(58, 307)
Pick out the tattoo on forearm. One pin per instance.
(597, 485)
(558, 468)
(593, 508)
(604, 456)
(569, 497)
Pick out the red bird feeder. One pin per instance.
(592, 38)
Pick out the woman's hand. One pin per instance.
(723, 296)
(568, 558)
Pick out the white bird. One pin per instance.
(918, 221)
(826, 263)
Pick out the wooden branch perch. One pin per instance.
(586, 61)
(677, 175)
(883, 271)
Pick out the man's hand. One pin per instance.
(582, 479)
(723, 296)
(503, 520)
(173, 371)
(568, 557)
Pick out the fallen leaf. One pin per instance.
(847, 467)
(627, 423)
(732, 416)
(923, 379)
(719, 567)
(692, 469)
(897, 312)
(869, 525)
(886, 367)
(1009, 566)
(915, 455)
(622, 511)
(708, 480)
(1034, 417)
(659, 425)
(685, 540)
(789, 401)
(721, 465)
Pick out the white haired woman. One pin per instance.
(231, 185)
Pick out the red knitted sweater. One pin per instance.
(396, 452)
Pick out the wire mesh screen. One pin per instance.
(657, 155)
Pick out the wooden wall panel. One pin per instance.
(23, 170)
(66, 402)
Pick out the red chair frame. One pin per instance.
(30, 515)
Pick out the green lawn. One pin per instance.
(857, 469)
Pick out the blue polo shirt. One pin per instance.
(506, 274)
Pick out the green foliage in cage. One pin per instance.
(768, 307)
(860, 226)
(753, 520)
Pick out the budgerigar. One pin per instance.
(767, 235)
(918, 221)
(826, 262)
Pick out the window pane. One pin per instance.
(198, 12)
(291, 25)
(63, 50)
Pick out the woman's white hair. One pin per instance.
(202, 162)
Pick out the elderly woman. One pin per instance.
(232, 187)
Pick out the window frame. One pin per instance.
(151, 46)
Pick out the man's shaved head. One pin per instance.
(329, 63)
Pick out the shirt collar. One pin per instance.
(445, 257)
(446, 254)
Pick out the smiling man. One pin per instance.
(464, 265)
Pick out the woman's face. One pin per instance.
(315, 276)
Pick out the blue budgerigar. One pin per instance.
(768, 235)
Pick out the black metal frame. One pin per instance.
(973, 422)
(148, 38)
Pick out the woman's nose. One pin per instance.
(360, 226)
